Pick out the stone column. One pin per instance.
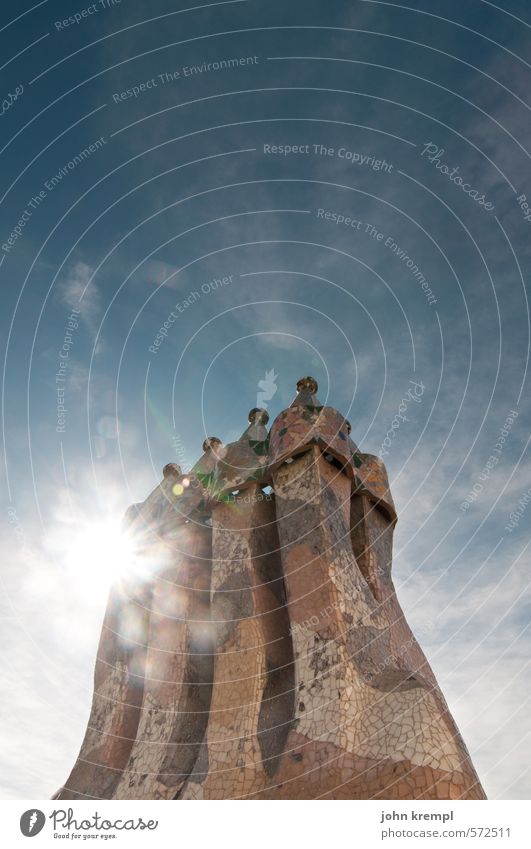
(118, 690)
(364, 727)
(372, 541)
(178, 680)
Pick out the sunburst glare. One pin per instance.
(95, 555)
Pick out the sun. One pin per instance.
(94, 555)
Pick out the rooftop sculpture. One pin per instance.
(267, 656)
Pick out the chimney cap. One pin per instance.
(210, 443)
(171, 470)
(258, 416)
(309, 383)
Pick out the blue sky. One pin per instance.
(251, 129)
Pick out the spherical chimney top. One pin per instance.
(171, 470)
(210, 443)
(309, 383)
(258, 416)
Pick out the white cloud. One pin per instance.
(79, 291)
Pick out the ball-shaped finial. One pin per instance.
(258, 416)
(309, 383)
(211, 442)
(171, 470)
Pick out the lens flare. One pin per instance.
(94, 555)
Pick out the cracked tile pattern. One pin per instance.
(351, 692)
(177, 687)
(298, 427)
(252, 694)
(118, 686)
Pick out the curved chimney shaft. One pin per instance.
(271, 657)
